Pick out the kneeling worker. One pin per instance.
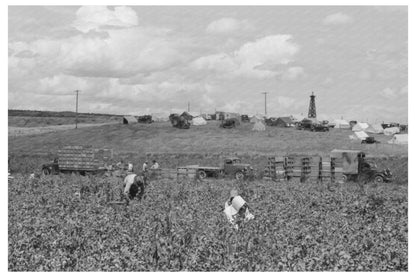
(236, 210)
(132, 184)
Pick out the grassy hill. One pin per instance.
(24, 118)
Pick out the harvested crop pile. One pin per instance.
(64, 223)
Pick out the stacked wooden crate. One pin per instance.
(294, 167)
(338, 169)
(275, 169)
(77, 158)
(311, 168)
(326, 169)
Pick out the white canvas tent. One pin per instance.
(375, 129)
(256, 118)
(399, 139)
(198, 121)
(360, 126)
(341, 124)
(391, 131)
(259, 126)
(361, 135)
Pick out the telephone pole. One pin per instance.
(189, 107)
(76, 111)
(265, 102)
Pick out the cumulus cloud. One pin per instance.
(100, 17)
(337, 18)
(227, 25)
(258, 59)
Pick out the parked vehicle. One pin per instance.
(314, 126)
(179, 121)
(355, 167)
(231, 166)
(245, 118)
(145, 119)
(79, 159)
(229, 123)
(369, 140)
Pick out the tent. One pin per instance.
(256, 118)
(361, 135)
(341, 124)
(129, 119)
(391, 131)
(197, 121)
(360, 126)
(259, 126)
(297, 117)
(399, 139)
(284, 122)
(375, 129)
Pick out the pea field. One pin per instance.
(66, 223)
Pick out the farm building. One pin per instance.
(129, 119)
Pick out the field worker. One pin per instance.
(130, 167)
(145, 166)
(155, 165)
(132, 184)
(236, 209)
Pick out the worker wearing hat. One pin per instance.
(132, 184)
(236, 209)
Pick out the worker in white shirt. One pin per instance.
(132, 184)
(155, 165)
(236, 210)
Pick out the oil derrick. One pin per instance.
(312, 108)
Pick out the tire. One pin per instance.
(344, 178)
(239, 175)
(46, 171)
(202, 174)
(378, 179)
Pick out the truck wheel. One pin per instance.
(202, 174)
(46, 171)
(378, 180)
(344, 178)
(239, 175)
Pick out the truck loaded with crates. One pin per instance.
(79, 159)
(341, 165)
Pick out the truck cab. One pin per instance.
(233, 167)
(356, 167)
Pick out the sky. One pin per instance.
(150, 59)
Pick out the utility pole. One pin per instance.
(265, 102)
(76, 111)
(189, 107)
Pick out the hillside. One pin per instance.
(162, 138)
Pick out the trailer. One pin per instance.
(79, 159)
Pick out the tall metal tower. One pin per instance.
(312, 108)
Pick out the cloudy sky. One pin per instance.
(142, 59)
